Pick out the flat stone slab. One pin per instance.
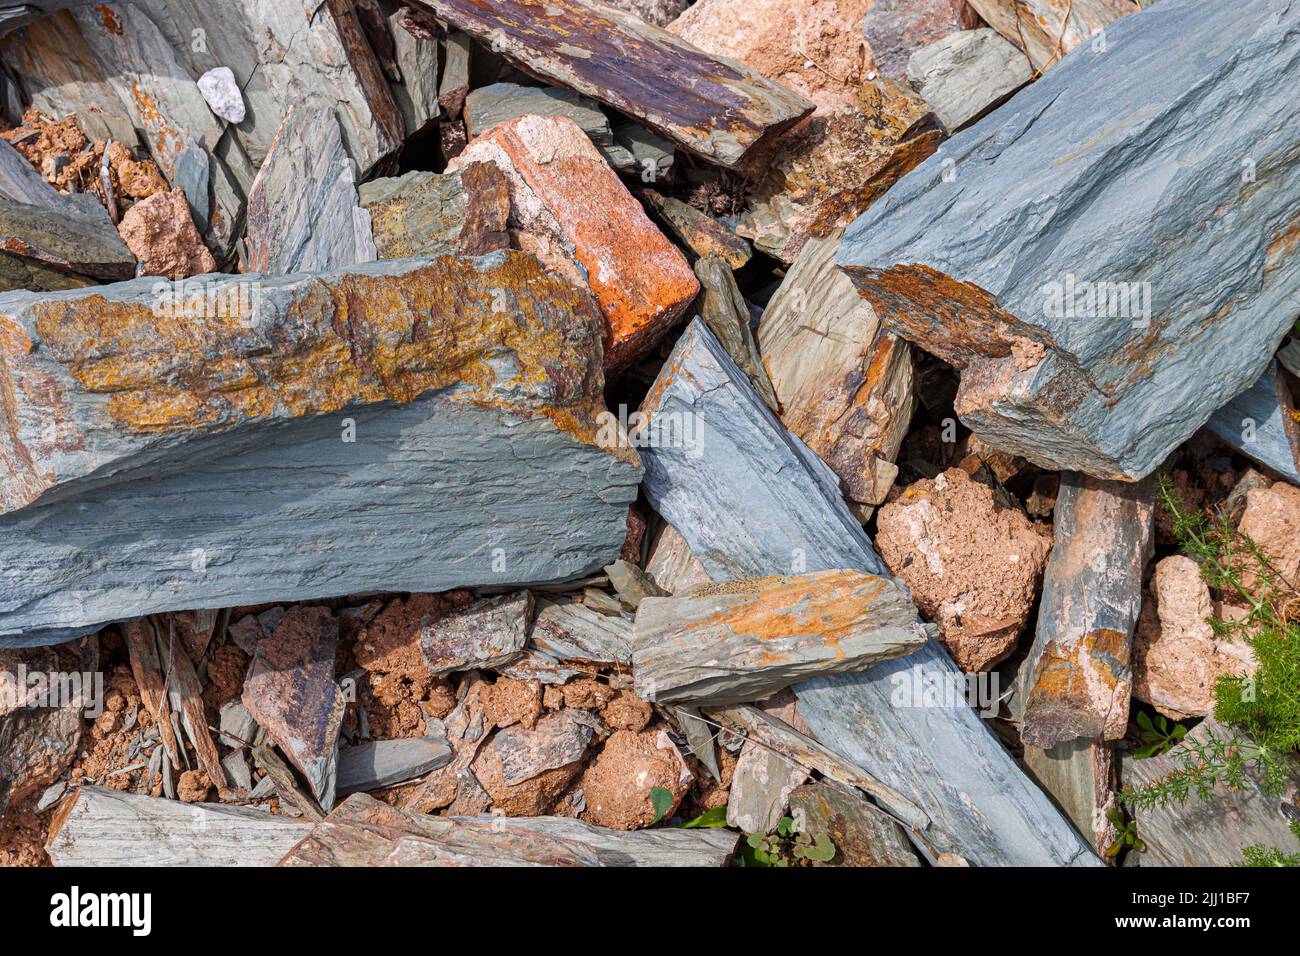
(260, 455)
(1078, 279)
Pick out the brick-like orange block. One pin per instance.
(568, 206)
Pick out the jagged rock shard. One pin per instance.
(714, 107)
(701, 233)
(966, 74)
(895, 29)
(1261, 423)
(383, 763)
(844, 384)
(568, 201)
(488, 633)
(1048, 29)
(752, 500)
(96, 826)
(426, 214)
(833, 167)
(744, 640)
(487, 106)
(570, 631)
(476, 381)
(1078, 676)
(724, 310)
(999, 253)
(1209, 832)
(303, 211)
(290, 691)
(862, 836)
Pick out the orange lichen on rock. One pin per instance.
(570, 207)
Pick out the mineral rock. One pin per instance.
(222, 93)
(427, 214)
(966, 74)
(160, 232)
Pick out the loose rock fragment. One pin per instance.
(671, 562)
(704, 235)
(895, 29)
(1272, 520)
(521, 348)
(571, 631)
(1074, 307)
(618, 782)
(1078, 678)
(966, 74)
(290, 691)
(829, 170)
(303, 211)
(526, 771)
(659, 12)
(488, 106)
(844, 384)
(632, 584)
(427, 214)
(726, 313)
(718, 109)
(1176, 657)
(488, 633)
(861, 835)
(1080, 776)
(746, 639)
(160, 232)
(222, 94)
(758, 502)
(574, 212)
(1261, 423)
(383, 763)
(815, 47)
(40, 736)
(973, 567)
(1048, 29)
(761, 788)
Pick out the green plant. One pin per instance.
(717, 817)
(1156, 736)
(784, 846)
(1125, 834)
(1262, 711)
(1258, 855)
(662, 801)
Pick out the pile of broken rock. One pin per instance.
(323, 514)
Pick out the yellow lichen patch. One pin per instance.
(830, 604)
(502, 333)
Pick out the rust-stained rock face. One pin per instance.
(973, 567)
(717, 108)
(427, 214)
(1048, 29)
(365, 365)
(746, 639)
(574, 209)
(844, 383)
(160, 233)
(1176, 657)
(290, 691)
(815, 47)
(824, 174)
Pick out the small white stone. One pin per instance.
(222, 93)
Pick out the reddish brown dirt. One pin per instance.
(617, 784)
(514, 702)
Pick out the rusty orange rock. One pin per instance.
(160, 232)
(571, 210)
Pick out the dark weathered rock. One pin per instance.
(14, 15)
(716, 108)
(290, 691)
(1048, 29)
(844, 384)
(1213, 831)
(1261, 423)
(896, 28)
(1077, 281)
(488, 633)
(40, 732)
(752, 500)
(295, 422)
(725, 312)
(1078, 676)
(428, 214)
(558, 740)
(966, 74)
(701, 233)
(303, 211)
(382, 763)
(862, 836)
(416, 57)
(571, 631)
(745, 639)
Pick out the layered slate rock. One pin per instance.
(303, 211)
(430, 214)
(753, 501)
(1076, 276)
(1048, 29)
(272, 439)
(746, 639)
(1261, 423)
(966, 74)
(715, 107)
(844, 383)
(578, 216)
(1078, 676)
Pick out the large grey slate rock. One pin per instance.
(1175, 185)
(279, 453)
(752, 500)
